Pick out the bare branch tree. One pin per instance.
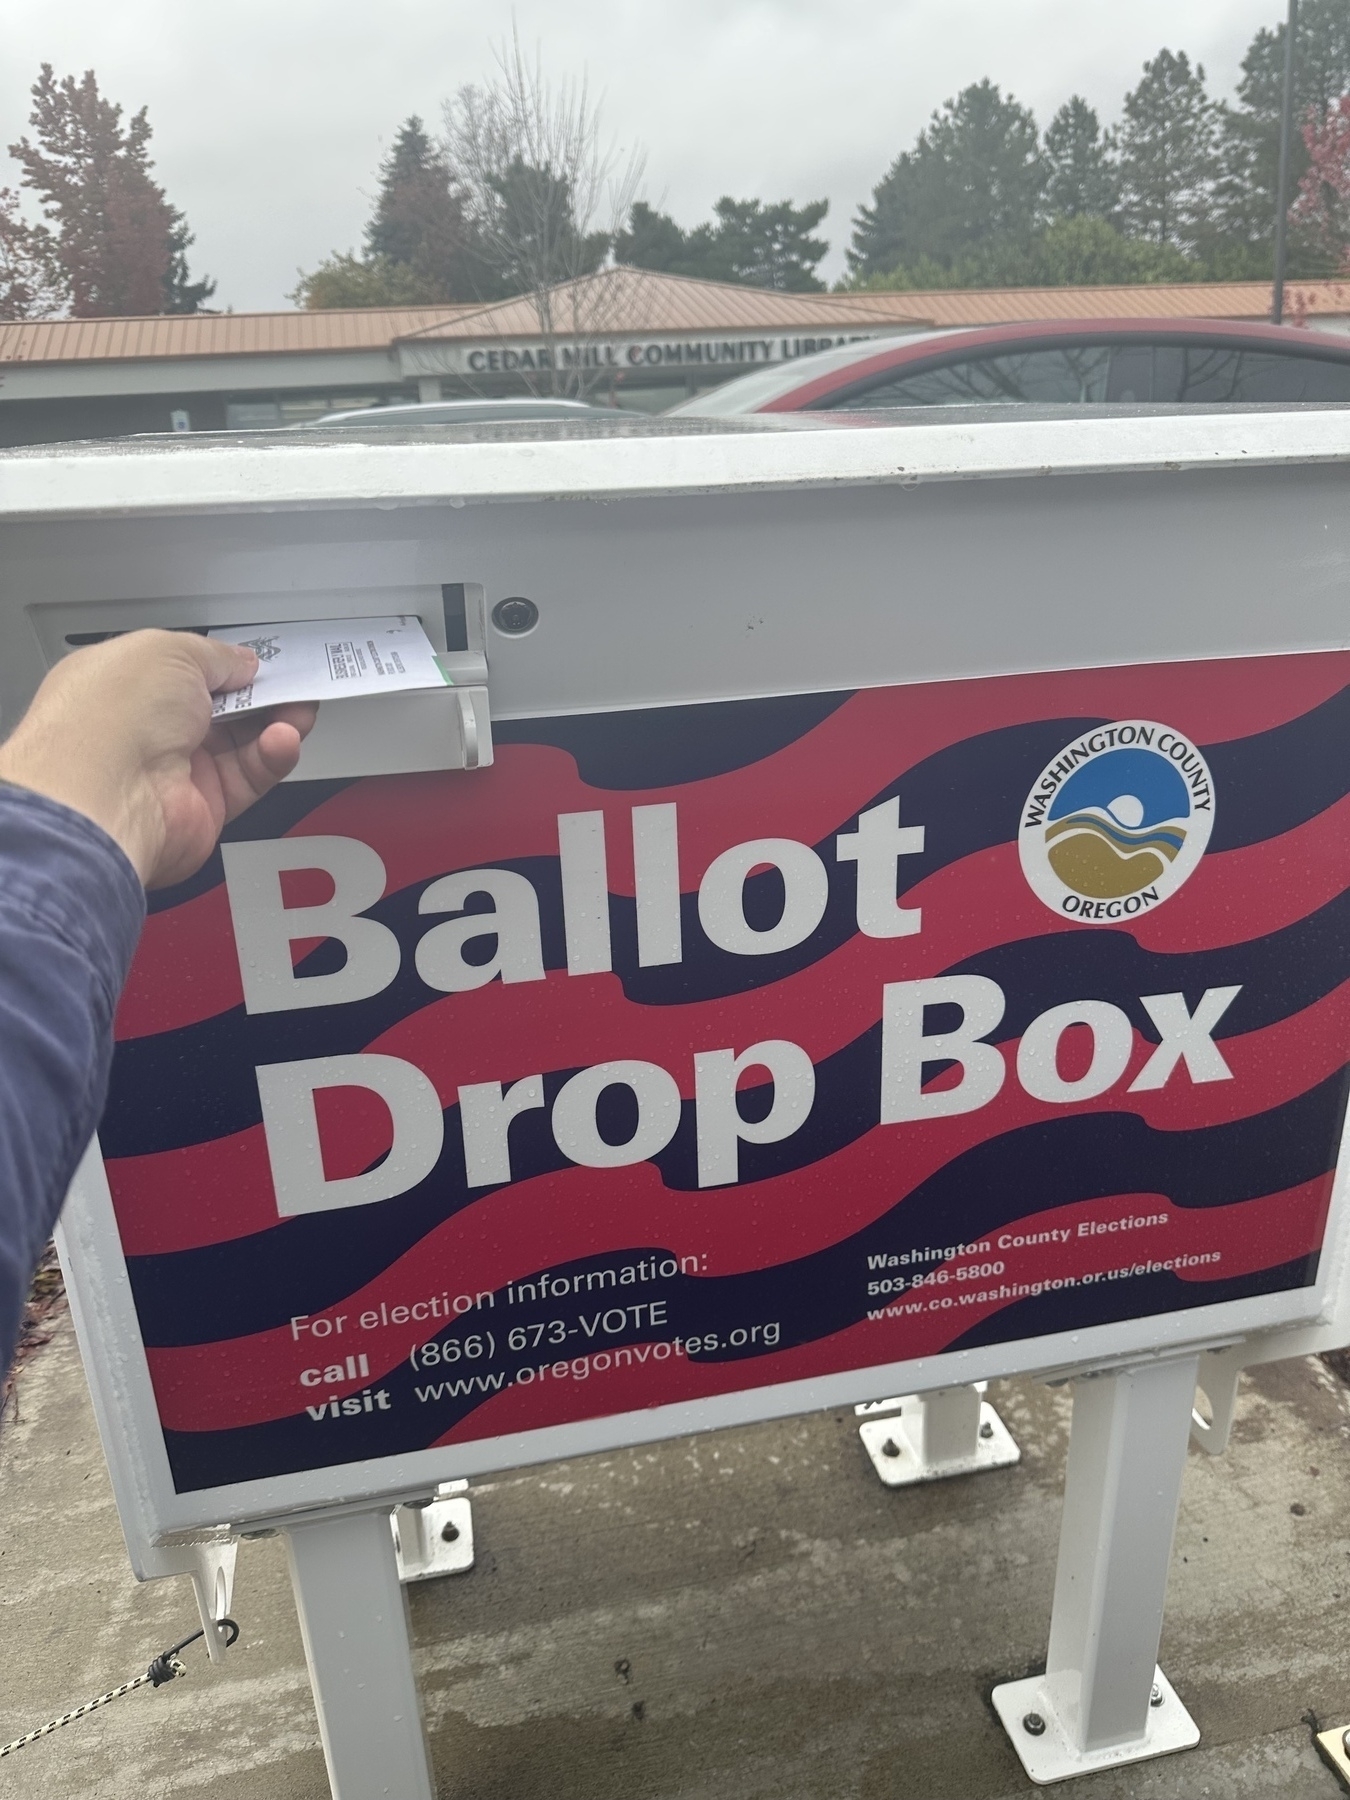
(547, 192)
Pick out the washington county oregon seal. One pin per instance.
(1117, 821)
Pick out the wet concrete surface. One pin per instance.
(746, 1615)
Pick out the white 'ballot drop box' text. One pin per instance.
(869, 913)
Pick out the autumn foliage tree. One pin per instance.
(120, 247)
(1322, 205)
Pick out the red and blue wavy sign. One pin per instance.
(1054, 1069)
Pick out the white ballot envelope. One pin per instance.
(331, 659)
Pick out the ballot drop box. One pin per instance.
(867, 913)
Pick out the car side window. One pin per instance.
(1131, 376)
(1270, 376)
(1074, 374)
(1198, 374)
(1222, 375)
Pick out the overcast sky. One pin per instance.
(270, 116)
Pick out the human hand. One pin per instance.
(122, 732)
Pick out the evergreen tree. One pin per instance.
(181, 293)
(1168, 161)
(1080, 172)
(652, 240)
(765, 246)
(420, 222)
(121, 247)
(1250, 137)
(746, 242)
(975, 176)
(534, 228)
(422, 244)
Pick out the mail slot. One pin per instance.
(373, 735)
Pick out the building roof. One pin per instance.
(1175, 300)
(213, 334)
(624, 302)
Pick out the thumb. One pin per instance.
(224, 666)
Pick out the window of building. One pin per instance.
(252, 415)
(303, 412)
(272, 413)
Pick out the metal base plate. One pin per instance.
(447, 1522)
(896, 1460)
(1051, 1756)
(1331, 1745)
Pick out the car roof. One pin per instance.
(462, 412)
(812, 380)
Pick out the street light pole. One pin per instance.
(1282, 180)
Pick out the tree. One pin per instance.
(31, 284)
(534, 238)
(1323, 202)
(1087, 252)
(747, 242)
(182, 294)
(422, 246)
(652, 240)
(1077, 252)
(1244, 197)
(345, 280)
(768, 246)
(547, 194)
(1080, 168)
(121, 247)
(975, 176)
(421, 220)
(1168, 144)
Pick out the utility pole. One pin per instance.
(1282, 180)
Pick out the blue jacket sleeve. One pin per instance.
(71, 909)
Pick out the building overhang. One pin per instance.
(651, 353)
(270, 373)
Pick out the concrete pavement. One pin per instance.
(746, 1615)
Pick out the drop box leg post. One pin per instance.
(951, 1424)
(928, 1437)
(354, 1622)
(1102, 1700)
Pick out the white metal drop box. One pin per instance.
(872, 915)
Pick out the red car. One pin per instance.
(1204, 362)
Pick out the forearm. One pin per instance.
(71, 909)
